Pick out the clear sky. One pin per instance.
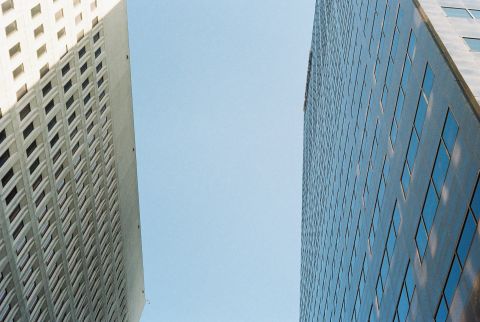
(218, 90)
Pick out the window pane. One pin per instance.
(379, 291)
(441, 167)
(430, 207)
(406, 72)
(381, 192)
(466, 238)
(412, 149)
(410, 281)
(421, 240)
(473, 43)
(394, 43)
(393, 133)
(452, 281)
(384, 269)
(403, 306)
(456, 12)
(396, 219)
(428, 81)
(411, 44)
(421, 113)
(405, 178)
(391, 242)
(442, 312)
(475, 13)
(475, 205)
(384, 95)
(400, 100)
(376, 214)
(450, 132)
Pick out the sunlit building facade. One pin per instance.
(391, 192)
(69, 219)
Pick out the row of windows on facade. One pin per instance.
(82, 55)
(9, 5)
(370, 166)
(381, 187)
(103, 254)
(473, 43)
(60, 171)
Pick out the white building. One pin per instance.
(70, 246)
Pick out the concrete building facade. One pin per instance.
(70, 246)
(391, 192)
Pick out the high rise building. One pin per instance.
(69, 218)
(391, 192)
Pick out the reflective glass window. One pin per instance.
(396, 218)
(421, 113)
(405, 178)
(456, 12)
(399, 108)
(430, 207)
(475, 205)
(450, 132)
(466, 237)
(391, 243)
(442, 312)
(421, 239)
(475, 13)
(403, 306)
(452, 281)
(406, 72)
(411, 44)
(473, 43)
(428, 81)
(412, 149)
(410, 282)
(441, 167)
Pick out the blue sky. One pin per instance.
(218, 90)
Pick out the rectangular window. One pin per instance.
(11, 28)
(456, 12)
(65, 69)
(46, 89)
(473, 43)
(24, 112)
(67, 86)
(82, 52)
(36, 10)
(6, 178)
(406, 295)
(41, 51)
(61, 33)
(7, 6)
(11, 195)
(54, 140)
(5, 156)
(475, 13)
(52, 123)
(38, 31)
(34, 165)
(28, 130)
(59, 15)
(31, 148)
(16, 49)
(49, 106)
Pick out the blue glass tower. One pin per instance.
(391, 192)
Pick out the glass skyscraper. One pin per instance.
(391, 192)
